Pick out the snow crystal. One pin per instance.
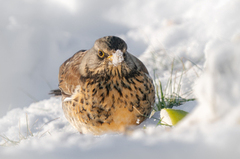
(117, 58)
(67, 99)
(138, 120)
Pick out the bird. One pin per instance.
(105, 89)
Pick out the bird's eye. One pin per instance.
(101, 53)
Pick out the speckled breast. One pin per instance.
(110, 105)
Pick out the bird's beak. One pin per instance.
(110, 57)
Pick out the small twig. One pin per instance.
(44, 133)
(48, 122)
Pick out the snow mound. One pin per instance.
(216, 118)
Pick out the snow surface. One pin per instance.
(204, 37)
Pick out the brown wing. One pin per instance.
(69, 75)
(139, 64)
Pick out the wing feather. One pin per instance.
(69, 74)
(139, 64)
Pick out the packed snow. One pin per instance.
(200, 42)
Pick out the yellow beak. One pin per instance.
(110, 57)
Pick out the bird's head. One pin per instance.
(108, 56)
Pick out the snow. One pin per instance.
(200, 38)
(117, 58)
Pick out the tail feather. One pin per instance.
(55, 92)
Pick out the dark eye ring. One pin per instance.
(101, 53)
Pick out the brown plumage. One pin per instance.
(105, 89)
